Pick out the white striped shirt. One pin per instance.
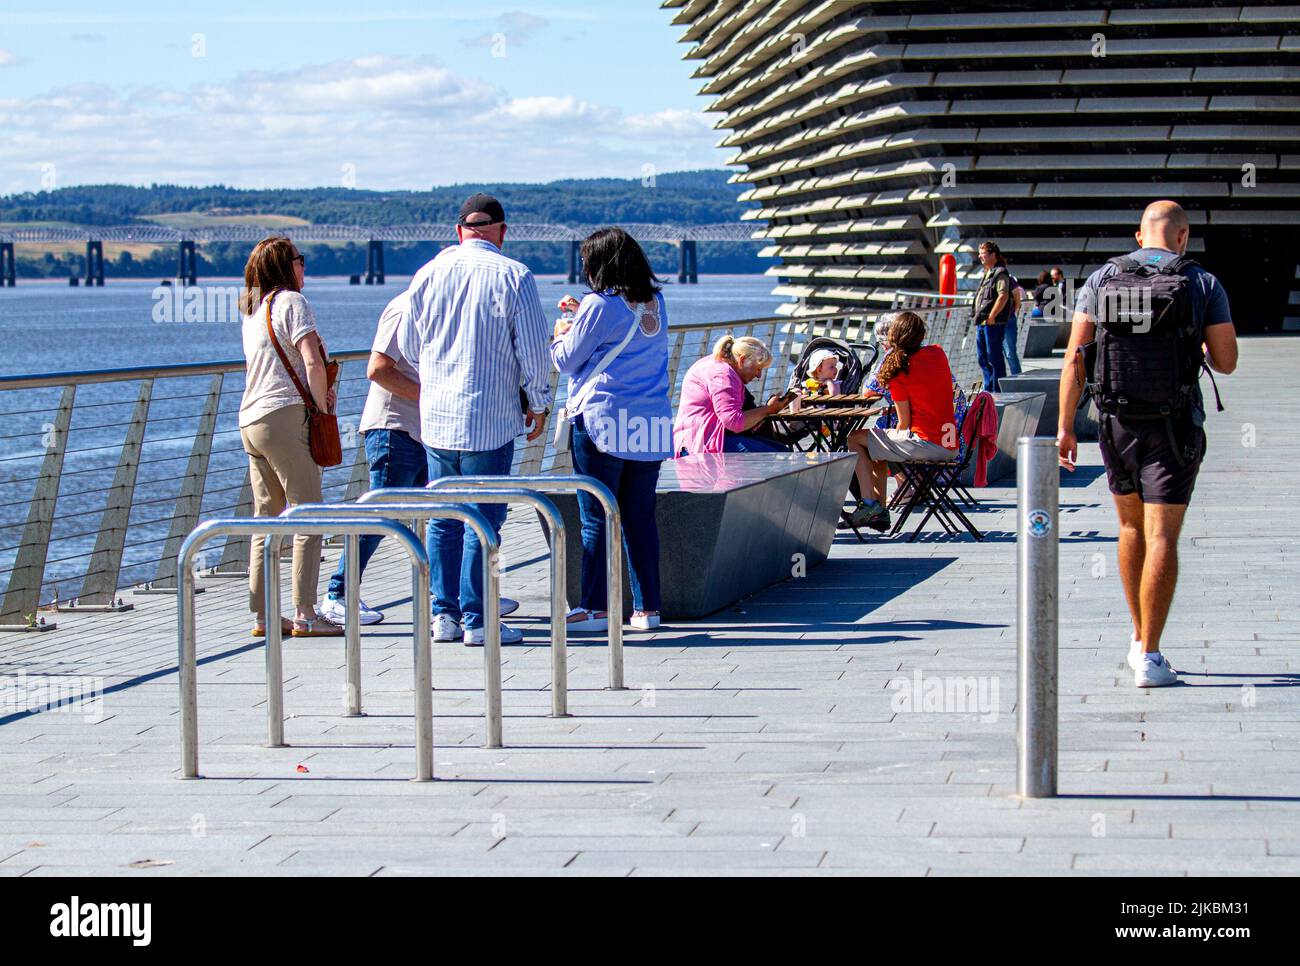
(476, 332)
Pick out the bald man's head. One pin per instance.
(1164, 225)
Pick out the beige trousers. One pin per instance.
(282, 474)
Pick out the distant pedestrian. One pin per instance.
(476, 330)
(1011, 336)
(286, 363)
(615, 352)
(993, 309)
(1042, 293)
(1058, 310)
(1142, 329)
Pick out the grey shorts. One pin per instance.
(902, 446)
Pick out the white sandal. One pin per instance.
(645, 622)
(589, 623)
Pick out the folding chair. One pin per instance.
(933, 482)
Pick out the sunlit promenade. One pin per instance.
(805, 731)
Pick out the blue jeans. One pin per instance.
(633, 484)
(1009, 347)
(736, 443)
(988, 346)
(455, 554)
(395, 460)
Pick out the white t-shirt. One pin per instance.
(383, 409)
(267, 386)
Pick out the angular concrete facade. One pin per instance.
(880, 135)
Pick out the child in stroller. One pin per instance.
(823, 359)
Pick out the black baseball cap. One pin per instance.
(481, 204)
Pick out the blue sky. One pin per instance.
(327, 92)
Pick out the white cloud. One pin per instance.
(515, 27)
(8, 58)
(398, 122)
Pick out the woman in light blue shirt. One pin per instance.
(615, 352)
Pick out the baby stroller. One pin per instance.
(796, 433)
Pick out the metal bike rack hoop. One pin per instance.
(559, 574)
(547, 483)
(276, 528)
(491, 587)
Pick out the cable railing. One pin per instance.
(179, 459)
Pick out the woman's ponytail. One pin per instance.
(906, 336)
(722, 348)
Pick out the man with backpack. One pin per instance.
(1143, 327)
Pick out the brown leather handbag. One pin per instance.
(322, 427)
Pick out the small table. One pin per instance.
(840, 415)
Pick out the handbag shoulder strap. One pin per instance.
(604, 363)
(270, 331)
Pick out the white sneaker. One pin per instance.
(336, 612)
(1134, 653)
(445, 628)
(645, 622)
(1155, 672)
(474, 638)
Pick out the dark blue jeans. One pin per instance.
(1010, 347)
(989, 340)
(736, 443)
(455, 554)
(395, 460)
(633, 483)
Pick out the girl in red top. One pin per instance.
(920, 382)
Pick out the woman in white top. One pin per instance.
(273, 419)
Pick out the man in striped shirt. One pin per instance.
(476, 332)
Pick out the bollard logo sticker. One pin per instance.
(1039, 523)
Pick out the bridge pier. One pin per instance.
(8, 266)
(575, 250)
(687, 263)
(187, 264)
(95, 264)
(375, 262)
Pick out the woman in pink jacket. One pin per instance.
(711, 416)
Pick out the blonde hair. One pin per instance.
(729, 348)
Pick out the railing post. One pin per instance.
(190, 500)
(234, 555)
(23, 594)
(359, 481)
(99, 589)
(1037, 590)
(534, 453)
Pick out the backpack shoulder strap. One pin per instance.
(1124, 263)
(1180, 265)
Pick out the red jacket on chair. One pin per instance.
(982, 433)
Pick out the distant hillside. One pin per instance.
(685, 198)
(688, 197)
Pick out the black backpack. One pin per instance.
(1148, 353)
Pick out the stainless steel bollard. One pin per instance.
(1038, 478)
